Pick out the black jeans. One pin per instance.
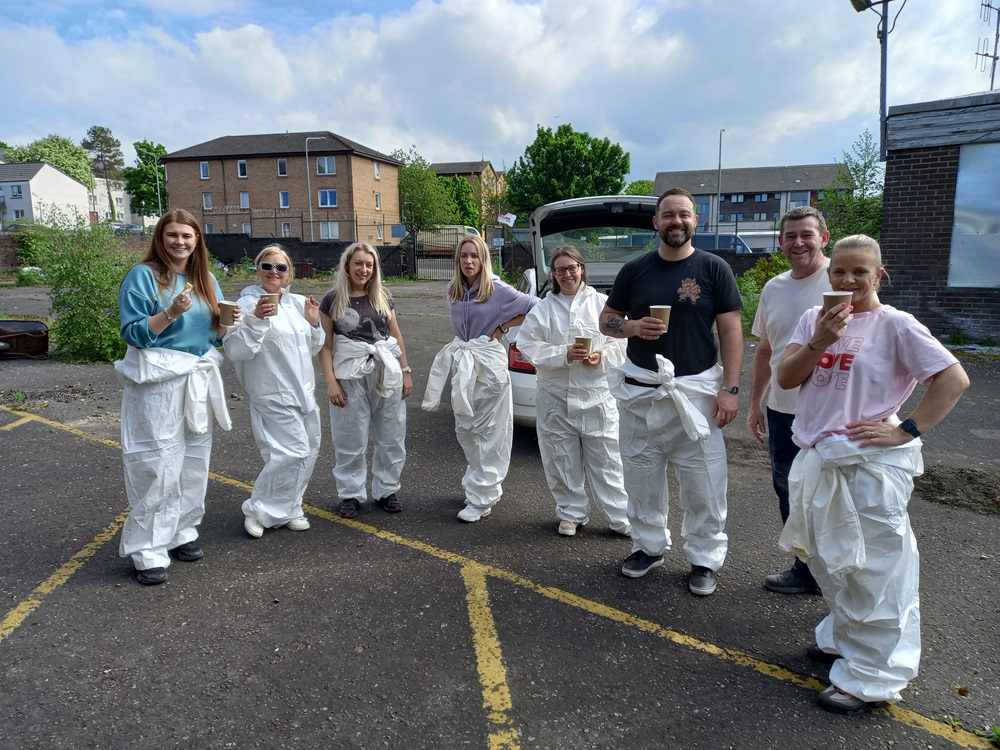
(783, 451)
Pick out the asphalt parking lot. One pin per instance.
(416, 631)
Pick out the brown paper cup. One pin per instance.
(831, 299)
(270, 299)
(660, 311)
(226, 312)
(587, 342)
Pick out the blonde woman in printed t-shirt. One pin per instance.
(855, 367)
(482, 307)
(273, 352)
(367, 378)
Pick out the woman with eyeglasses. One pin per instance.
(367, 378)
(482, 308)
(577, 418)
(273, 352)
(171, 390)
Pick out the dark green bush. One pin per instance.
(752, 281)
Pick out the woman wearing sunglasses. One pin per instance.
(367, 378)
(272, 351)
(577, 415)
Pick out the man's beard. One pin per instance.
(680, 241)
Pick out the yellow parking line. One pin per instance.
(18, 423)
(496, 695)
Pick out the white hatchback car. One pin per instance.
(608, 230)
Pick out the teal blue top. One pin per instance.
(141, 298)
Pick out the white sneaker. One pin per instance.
(471, 514)
(298, 524)
(254, 527)
(568, 528)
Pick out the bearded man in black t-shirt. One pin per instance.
(674, 397)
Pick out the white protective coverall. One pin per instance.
(166, 443)
(848, 521)
(273, 358)
(372, 379)
(484, 412)
(673, 423)
(577, 415)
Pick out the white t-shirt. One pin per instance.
(867, 374)
(782, 302)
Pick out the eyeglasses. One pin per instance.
(268, 266)
(566, 269)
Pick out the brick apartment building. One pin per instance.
(259, 185)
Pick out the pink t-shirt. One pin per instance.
(867, 374)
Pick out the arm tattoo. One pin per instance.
(614, 326)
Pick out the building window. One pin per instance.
(18, 213)
(15, 191)
(378, 201)
(760, 197)
(119, 202)
(286, 229)
(777, 196)
(246, 227)
(704, 208)
(204, 170)
(327, 198)
(283, 201)
(761, 216)
(326, 165)
(375, 166)
(736, 217)
(777, 215)
(282, 168)
(329, 230)
(244, 199)
(241, 169)
(209, 228)
(798, 198)
(736, 198)
(378, 230)
(206, 201)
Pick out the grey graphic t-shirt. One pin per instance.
(360, 321)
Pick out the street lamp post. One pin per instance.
(718, 194)
(883, 39)
(156, 171)
(312, 237)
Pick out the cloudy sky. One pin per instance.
(791, 81)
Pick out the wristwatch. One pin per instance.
(407, 369)
(910, 427)
(734, 389)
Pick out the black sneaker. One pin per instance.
(189, 552)
(389, 503)
(151, 576)
(789, 583)
(702, 581)
(349, 508)
(639, 563)
(817, 654)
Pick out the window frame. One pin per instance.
(204, 171)
(326, 226)
(326, 192)
(242, 172)
(244, 200)
(327, 161)
(284, 199)
(282, 167)
(206, 201)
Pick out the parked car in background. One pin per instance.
(134, 229)
(727, 242)
(609, 231)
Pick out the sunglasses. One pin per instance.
(268, 266)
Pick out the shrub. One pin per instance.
(29, 276)
(752, 281)
(84, 269)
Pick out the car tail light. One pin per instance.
(517, 361)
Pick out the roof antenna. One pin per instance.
(986, 10)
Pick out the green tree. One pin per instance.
(853, 202)
(106, 159)
(423, 199)
(58, 151)
(639, 187)
(565, 164)
(144, 179)
(3, 144)
(464, 197)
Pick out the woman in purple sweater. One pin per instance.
(482, 307)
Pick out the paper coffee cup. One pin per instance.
(660, 311)
(226, 312)
(587, 342)
(832, 299)
(270, 299)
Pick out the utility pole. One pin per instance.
(718, 193)
(986, 10)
